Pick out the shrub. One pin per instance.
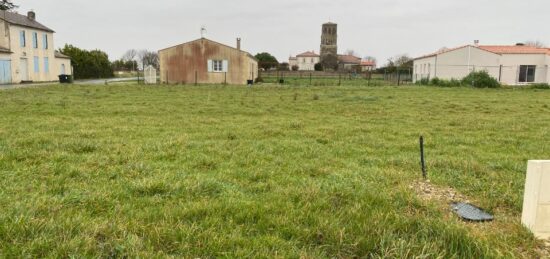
(318, 67)
(435, 81)
(295, 68)
(540, 86)
(480, 79)
(423, 81)
(446, 83)
(259, 80)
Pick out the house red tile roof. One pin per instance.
(516, 49)
(368, 63)
(510, 49)
(349, 59)
(308, 54)
(441, 51)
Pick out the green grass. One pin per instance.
(344, 80)
(311, 172)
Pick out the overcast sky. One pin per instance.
(381, 28)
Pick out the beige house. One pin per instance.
(349, 63)
(204, 61)
(305, 61)
(510, 65)
(27, 51)
(368, 65)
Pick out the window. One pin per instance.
(22, 40)
(527, 74)
(35, 40)
(46, 65)
(45, 41)
(36, 65)
(217, 66)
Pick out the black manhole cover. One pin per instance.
(472, 213)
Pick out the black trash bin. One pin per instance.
(65, 79)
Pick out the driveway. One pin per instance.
(102, 81)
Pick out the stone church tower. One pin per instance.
(329, 46)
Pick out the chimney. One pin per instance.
(239, 43)
(31, 15)
(476, 43)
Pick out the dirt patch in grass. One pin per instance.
(504, 220)
(427, 191)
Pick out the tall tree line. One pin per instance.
(88, 63)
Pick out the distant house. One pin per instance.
(27, 51)
(511, 65)
(368, 65)
(204, 61)
(305, 61)
(349, 63)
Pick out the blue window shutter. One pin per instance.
(35, 40)
(36, 65)
(22, 39)
(45, 41)
(46, 65)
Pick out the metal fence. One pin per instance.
(325, 78)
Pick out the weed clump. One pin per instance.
(540, 86)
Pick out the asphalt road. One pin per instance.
(78, 82)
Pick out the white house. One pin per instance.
(305, 61)
(27, 51)
(510, 65)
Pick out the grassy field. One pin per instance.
(283, 172)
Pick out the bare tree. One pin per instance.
(399, 61)
(6, 5)
(148, 58)
(352, 52)
(444, 49)
(535, 43)
(130, 55)
(369, 58)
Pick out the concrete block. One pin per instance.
(536, 201)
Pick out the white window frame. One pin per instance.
(218, 66)
(527, 69)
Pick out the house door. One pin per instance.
(63, 72)
(5, 71)
(24, 69)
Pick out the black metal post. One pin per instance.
(422, 159)
(398, 77)
(368, 79)
(310, 79)
(339, 79)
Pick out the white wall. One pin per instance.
(423, 68)
(459, 63)
(29, 52)
(511, 63)
(307, 63)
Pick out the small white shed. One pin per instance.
(150, 74)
